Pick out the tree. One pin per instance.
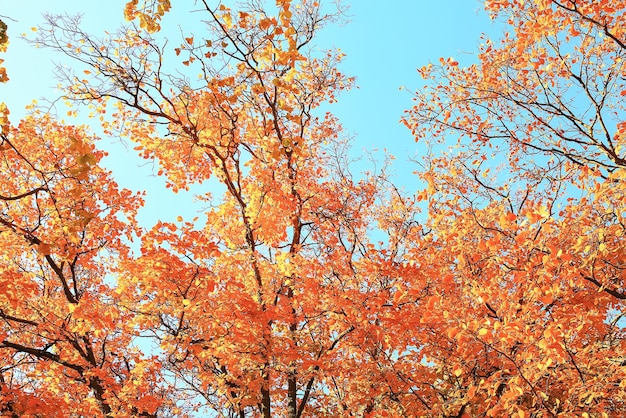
(529, 206)
(304, 289)
(61, 329)
(276, 303)
(64, 342)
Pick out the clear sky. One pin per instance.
(385, 42)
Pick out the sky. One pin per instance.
(384, 43)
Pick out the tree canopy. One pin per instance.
(495, 287)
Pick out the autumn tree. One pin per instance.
(527, 205)
(65, 344)
(301, 288)
(275, 302)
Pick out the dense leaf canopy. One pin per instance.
(495, 288)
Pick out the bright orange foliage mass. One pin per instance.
(506, 299)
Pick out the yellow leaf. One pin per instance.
(186, 302)
(228, 20)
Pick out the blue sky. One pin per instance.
(385, 42)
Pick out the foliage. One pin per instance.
(536, 122)
(282, 299)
